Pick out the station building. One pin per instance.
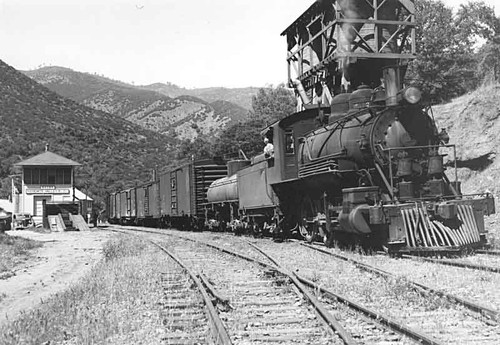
(49, 178)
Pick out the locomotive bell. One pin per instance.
(379, 96)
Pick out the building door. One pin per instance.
(38, 207)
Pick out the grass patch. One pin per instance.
(14, 249)
(117, 303)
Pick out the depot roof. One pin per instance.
(47, 158)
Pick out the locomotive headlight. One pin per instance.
(412, 95)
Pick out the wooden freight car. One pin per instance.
(175, 199)
(183, 192)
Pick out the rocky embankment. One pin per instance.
(473, 123)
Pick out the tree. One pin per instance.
(243, 136)
(440, 57)
(197, 148)
(489, 60)
(477, 22)
(271, 104)
(446, 64)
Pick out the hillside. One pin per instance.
(114, 153)
(239, 96)
(179, 115)
(473, 123)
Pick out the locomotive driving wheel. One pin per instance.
(312, 222)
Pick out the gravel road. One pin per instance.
(62, 260)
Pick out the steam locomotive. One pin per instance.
(360, 160)
(365, 164)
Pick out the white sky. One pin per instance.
(199, 43)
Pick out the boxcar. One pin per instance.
(183, 192)
(176, 198)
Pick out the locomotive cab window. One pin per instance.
(289, 142)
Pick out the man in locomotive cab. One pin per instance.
(268, 142)
(269, 148)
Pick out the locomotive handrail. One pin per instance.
(446, 197)
(419, 147)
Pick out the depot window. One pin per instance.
(52, 176)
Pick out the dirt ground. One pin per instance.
(64, 258)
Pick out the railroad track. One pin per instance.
(469, 262)
(188, 313)
(442, 320)
(264, 305)
(488, 252)
(473, 306)
(358, 323)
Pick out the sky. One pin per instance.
(198, 43)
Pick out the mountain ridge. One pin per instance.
(114, 153)
(148, 107)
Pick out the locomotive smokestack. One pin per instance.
(392, 81)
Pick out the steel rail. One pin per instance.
(489, 312)
(487, 252)
(222, 336)
(414, 334)
(325, 315)
(346, 337)
(395, 325)
(454, 263)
